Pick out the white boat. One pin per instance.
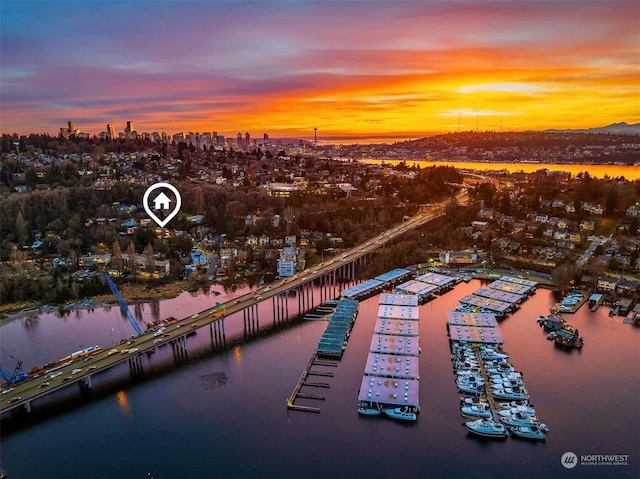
(528, 432)
(470, 384)
(487, 428)
(510, 394)
(476, 410)
(402, 413)
(519, 419)
(489, 354)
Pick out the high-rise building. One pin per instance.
(129, 128)
(239, 140)
(71, 128)
(247, 140)
(111, 132)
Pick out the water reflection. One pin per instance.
(138, 310)
(629, 172)
(155, 309)
(124, 404)
(237, 355)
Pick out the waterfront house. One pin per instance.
(606, 284)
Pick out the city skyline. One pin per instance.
(345, 68)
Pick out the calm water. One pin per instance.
(631, 173)
(224, 414)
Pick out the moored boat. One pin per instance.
(487, 428)
(476, 410)
(367, 408)
(401, 413)
(528, 432)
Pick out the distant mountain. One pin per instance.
(622, 128)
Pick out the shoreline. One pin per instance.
(132, 293)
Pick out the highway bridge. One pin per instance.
(325, 276)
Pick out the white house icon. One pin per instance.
(161, 202)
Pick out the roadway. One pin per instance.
(81, 369)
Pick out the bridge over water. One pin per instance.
(325, 277)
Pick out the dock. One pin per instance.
(493, 406)
(391, 377)
(331, 345)
(303, 381)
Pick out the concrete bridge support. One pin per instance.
(85, 384)
(179, 347)
(250, 318)
(135, 365)
(280, 308)
(218, 337)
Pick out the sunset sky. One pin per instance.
(367, 68)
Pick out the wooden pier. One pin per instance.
(304, 381)
(487, 388)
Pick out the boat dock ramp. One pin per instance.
(323, 311)
(331, 345)
(304, 381)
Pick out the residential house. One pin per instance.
(587, 225)
(607, 284)
(263, 241)
(251, 240)
(634, 210)
(290, 240)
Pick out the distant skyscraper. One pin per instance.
(247, 140)
(239, 140)
(129, 128)
(71, 128)
(111, 131)
(315, 136)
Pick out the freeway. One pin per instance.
(81, 369)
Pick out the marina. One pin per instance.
(423, 291)
(441, 281)
(191, 417)
(390, 382)
(494, 397)
(511, 287)
(499, 308)
(363, 290)
(331, 346)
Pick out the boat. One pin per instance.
(487, 428)
(528, 432)
(510, 394)
(476, 410)
(553, 322)
(401, 413)
(369, 409)
(470, 384)
(518, 419)
(489, 354)
(568, 339)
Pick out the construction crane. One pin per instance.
(17, 376)
(121, 302)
